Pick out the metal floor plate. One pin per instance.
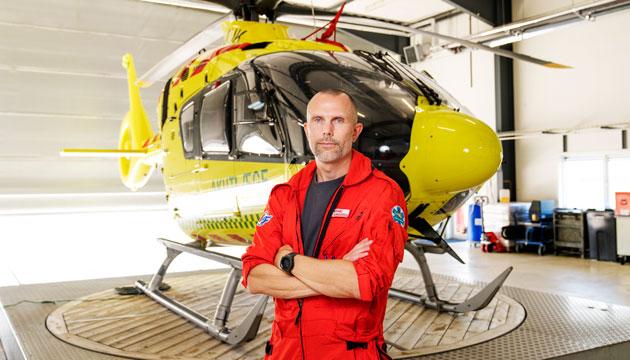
(555, 325)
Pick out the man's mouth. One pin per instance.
(326, 144)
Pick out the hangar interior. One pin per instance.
(556, 209)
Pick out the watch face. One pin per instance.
(285, 263)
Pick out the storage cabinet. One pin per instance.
(602, 240)
(569, 227)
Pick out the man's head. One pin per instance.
(331, 125)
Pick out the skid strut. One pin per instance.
(217, 326)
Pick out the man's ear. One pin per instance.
(358, 127)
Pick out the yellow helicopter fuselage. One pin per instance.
(450, 154)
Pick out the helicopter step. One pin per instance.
(417, 249)
(217, 327)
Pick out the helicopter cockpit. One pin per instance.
(257, 111)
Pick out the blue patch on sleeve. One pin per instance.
(398, 215)
(264, 219)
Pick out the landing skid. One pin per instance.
(417, 249)
(248, 328)
(216, 327)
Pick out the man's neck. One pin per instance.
(332, 171)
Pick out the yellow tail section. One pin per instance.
(135, 134)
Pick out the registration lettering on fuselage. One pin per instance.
(246, 178)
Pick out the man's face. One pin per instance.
(331, 127)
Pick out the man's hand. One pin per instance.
(359, 250)
(284, 250)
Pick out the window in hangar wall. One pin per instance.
(590, 182)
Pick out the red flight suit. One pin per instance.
(335, 328)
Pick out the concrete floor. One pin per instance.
(565, 275)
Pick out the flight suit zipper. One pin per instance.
(322, 231)
(318, 244)
(298, 318)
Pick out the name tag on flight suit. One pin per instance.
(342, 213)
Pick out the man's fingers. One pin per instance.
(355, 255)
(359, 250)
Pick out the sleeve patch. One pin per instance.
(398, 215)
(264, 219)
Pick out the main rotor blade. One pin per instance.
(356, 20)
(212, 35)
(496, 51)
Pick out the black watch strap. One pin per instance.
(286, 263)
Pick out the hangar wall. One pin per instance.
(64, 86)
(594, 92)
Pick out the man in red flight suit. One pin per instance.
(328, 244)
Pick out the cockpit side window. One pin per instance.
(213, 120)
(186, 120)
(256, 131)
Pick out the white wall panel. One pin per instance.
(62, 85)
(594, 92)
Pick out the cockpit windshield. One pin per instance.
(386, 96)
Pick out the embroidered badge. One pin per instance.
(344, 213)
(264, 219)
(398, 215)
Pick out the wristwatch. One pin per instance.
(286, 263)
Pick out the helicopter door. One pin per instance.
(179, 178)
(215, 175)
(258, 143)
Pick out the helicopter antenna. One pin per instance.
(313, 12)
(331, 28)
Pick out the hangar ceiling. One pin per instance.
(399, 10)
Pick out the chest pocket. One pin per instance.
(343, 234)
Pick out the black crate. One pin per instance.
(569, 226)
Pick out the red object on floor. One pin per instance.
(492, 243)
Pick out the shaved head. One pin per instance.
(352, 106)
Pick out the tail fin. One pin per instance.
(138, 149)
(135, 134)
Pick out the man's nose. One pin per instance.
(327, 129)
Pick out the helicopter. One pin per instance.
(230, 127)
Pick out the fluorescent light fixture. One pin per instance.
(192, 4)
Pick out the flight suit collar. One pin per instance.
(360, 169)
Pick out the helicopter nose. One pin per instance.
(449, 152)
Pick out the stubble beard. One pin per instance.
(329, 155)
